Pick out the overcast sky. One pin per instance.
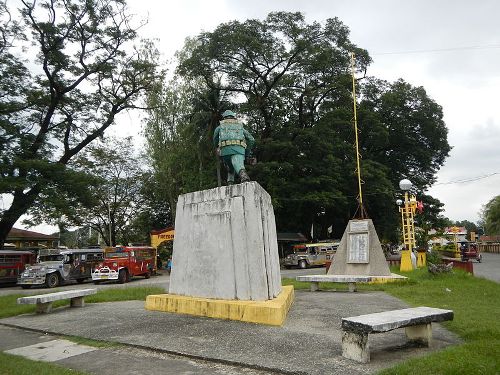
(451, 48)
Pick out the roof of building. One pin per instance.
(160, 231)
(489, 238)
(16, 234)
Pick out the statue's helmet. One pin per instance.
(228, 113)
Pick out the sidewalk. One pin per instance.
(308, 343)
(108, 361)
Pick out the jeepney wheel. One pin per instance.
(52, 280)
(97, 282)
(303, 264)
(122, 276)
(147, 275)
(80, 281)
(26, 286)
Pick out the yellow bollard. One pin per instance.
(406, 265)
(421, 258)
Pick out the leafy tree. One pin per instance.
(491, 216)
(409, 135)
(291, 82)
(82, 72)
(116, 198)
(179, 133)
(286, 70)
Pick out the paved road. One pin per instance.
(489, 268)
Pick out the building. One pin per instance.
(22, 238)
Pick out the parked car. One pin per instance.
(311, 254)
(56, 266)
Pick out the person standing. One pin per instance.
(234, 144)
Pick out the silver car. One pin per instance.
(311, 254)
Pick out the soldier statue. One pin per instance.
(234, 144)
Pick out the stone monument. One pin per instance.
(225, 261)
(358, 259)
(360, 252)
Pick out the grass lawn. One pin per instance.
(476, 303)
(16, 365)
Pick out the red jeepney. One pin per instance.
(121, 263)
(12, 264)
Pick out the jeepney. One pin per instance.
(121, 263)
(311, 254)
(56, 266)
(13, 263)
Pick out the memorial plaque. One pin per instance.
(358, 248)
(358, 226)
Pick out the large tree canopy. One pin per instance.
(67, 69)
(291, 82)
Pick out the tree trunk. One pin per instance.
(20, 204)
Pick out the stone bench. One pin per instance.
(44, 301)
(351, 280)
(416, 321)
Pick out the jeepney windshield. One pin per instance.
(51, 258)
(120, 254)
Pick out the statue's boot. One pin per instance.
(243, 176)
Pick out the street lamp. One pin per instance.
(407, 209)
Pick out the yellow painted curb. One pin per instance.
(388, 279)
(271, 312)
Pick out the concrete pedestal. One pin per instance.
(225, 245)
(226, 251)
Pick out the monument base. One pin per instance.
(270, 312)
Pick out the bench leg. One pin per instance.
(421, 334)
(314, 286)
(352, 287)
(355, 346)
(43, 308)
(77, 302)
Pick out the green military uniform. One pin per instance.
(234, 143)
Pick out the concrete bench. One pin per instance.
(416, 321)
(44, 301)
(351, 280)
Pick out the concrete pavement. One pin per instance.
(107, 361)
(156, 342)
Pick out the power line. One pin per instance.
(491, 46)
(463, 181)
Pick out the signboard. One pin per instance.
(157, 237)
(358, 226)
(358, 244)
